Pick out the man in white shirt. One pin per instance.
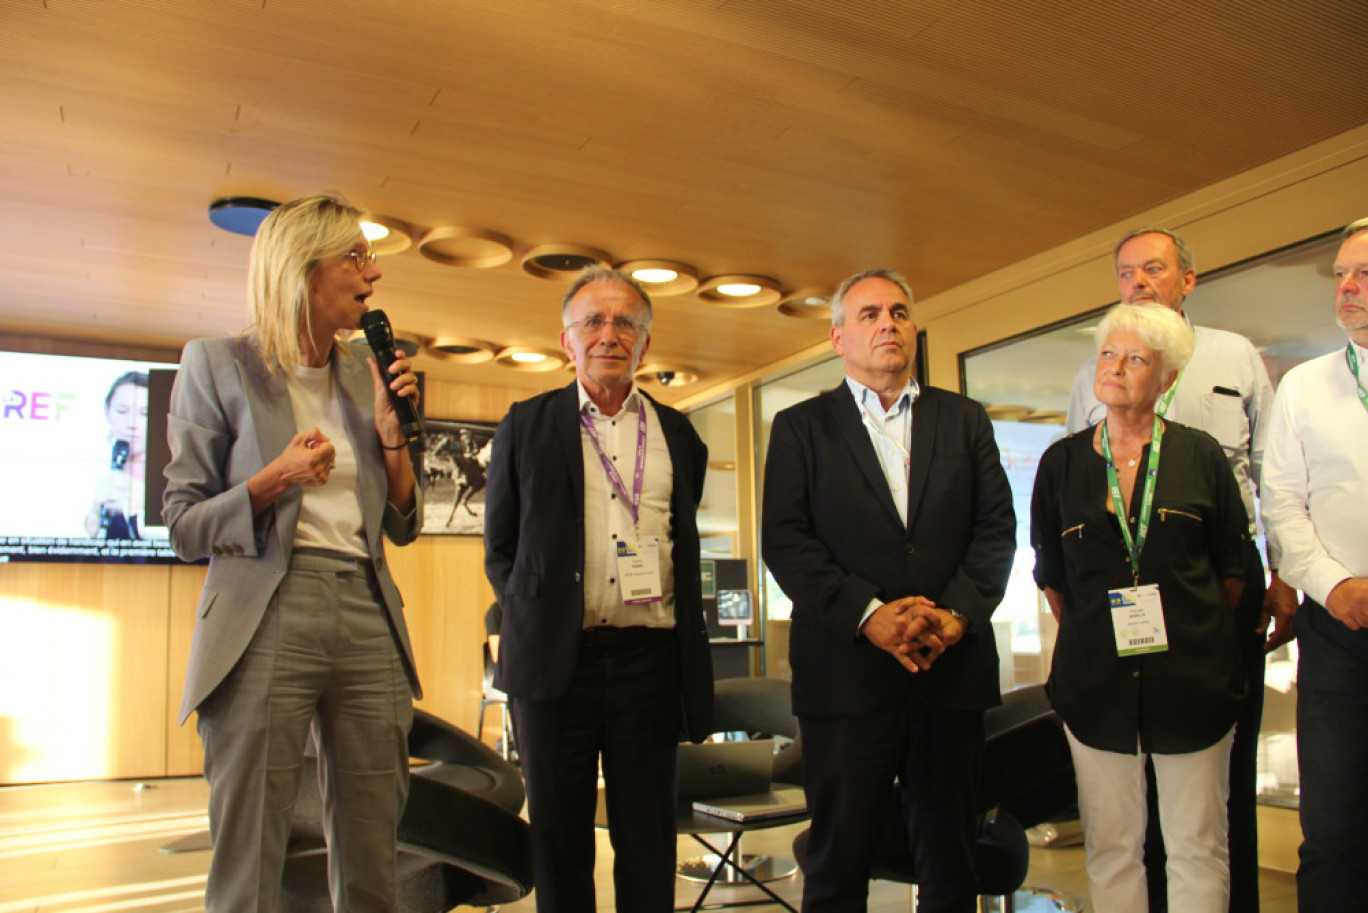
(888, 521)
(1225, 392)
(591, 545)
(1314, 507)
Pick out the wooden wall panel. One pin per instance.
(445, 598)
(184, 756)
(82, 672)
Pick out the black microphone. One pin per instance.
(381, 338)
(118, 457)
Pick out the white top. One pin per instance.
(607, 519)
(330, 514)
(1221, 361)
(1315, 478)
(890, 431)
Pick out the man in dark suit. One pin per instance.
(888, 521)
(591, 544)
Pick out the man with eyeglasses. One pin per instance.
(1314, 500)
(1225, 392)
(591, 544)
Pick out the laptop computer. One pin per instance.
(718, 769)
(776, 803)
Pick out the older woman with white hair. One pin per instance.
(1146, 662)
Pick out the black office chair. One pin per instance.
(460, 838)
(1027, 779)
(762, 708)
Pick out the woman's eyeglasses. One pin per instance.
(361, 259)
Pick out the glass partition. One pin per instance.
(718, 526)
(771, 396)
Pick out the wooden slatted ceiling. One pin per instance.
(802, 139)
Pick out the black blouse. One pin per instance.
(1185, 698)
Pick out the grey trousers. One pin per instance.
(323, 659)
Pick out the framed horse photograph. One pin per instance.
(454, 476)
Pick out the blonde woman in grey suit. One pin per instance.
(287, 466)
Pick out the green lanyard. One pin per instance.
(1352, 357)
(1134, 547)
(1162, 409)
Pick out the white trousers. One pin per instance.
(1193, 788)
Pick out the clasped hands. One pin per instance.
(913, 631)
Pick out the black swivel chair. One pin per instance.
(460, 838)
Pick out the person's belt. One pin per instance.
(609, 636)
(328, 559)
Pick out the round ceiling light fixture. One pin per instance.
(529, 358)
(240, 215)
(470, 248)
(461, 350)
(662, 277)
(386, 235)
(811, 303)
(739, 291)
(560, 261)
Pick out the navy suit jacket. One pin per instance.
(833, 540)
(534, 550)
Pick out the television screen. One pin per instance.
(734, 608)
(74, 478)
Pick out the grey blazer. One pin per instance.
(230, 417)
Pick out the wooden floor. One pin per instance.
(86, 847)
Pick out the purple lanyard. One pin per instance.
(633, 501)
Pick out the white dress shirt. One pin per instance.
(890, 431)
(607, 519)
(1315, 476)
(1221, 361)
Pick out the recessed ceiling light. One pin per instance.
(739, 291)
(386, 235)
(807, 302)
(461, 350)
(529, 358)
(558, 261)
(662, 277)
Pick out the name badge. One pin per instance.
(639, 571)
(1138, 620)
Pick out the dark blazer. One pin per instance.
(534, 550)
(833, 540)
(230, 416)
